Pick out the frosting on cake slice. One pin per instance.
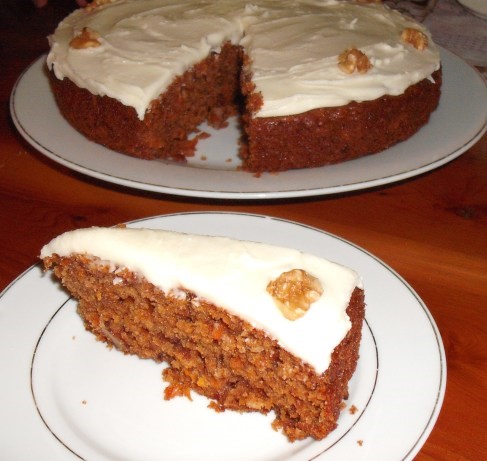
(242, 277)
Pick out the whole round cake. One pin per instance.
(314, 81)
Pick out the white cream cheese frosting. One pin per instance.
(231, 274)
(293, 46)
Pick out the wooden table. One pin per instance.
(431, 229)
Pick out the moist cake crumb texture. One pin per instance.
(210, 350)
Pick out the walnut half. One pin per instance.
(88, 38)
(415, 37)
(352, 60)
(294, 292)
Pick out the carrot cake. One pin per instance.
(251, 326)
(314, 81)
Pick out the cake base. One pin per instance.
(210, 351)
(210, 91)
(207, 92)
(332, 135)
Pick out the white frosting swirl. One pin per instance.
(293, 47)
(231, 274)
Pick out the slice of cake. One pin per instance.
(315, 81)
(251, 326)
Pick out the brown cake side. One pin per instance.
(211, 351)
(210, 91)
(337, 134)
(206, 92)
